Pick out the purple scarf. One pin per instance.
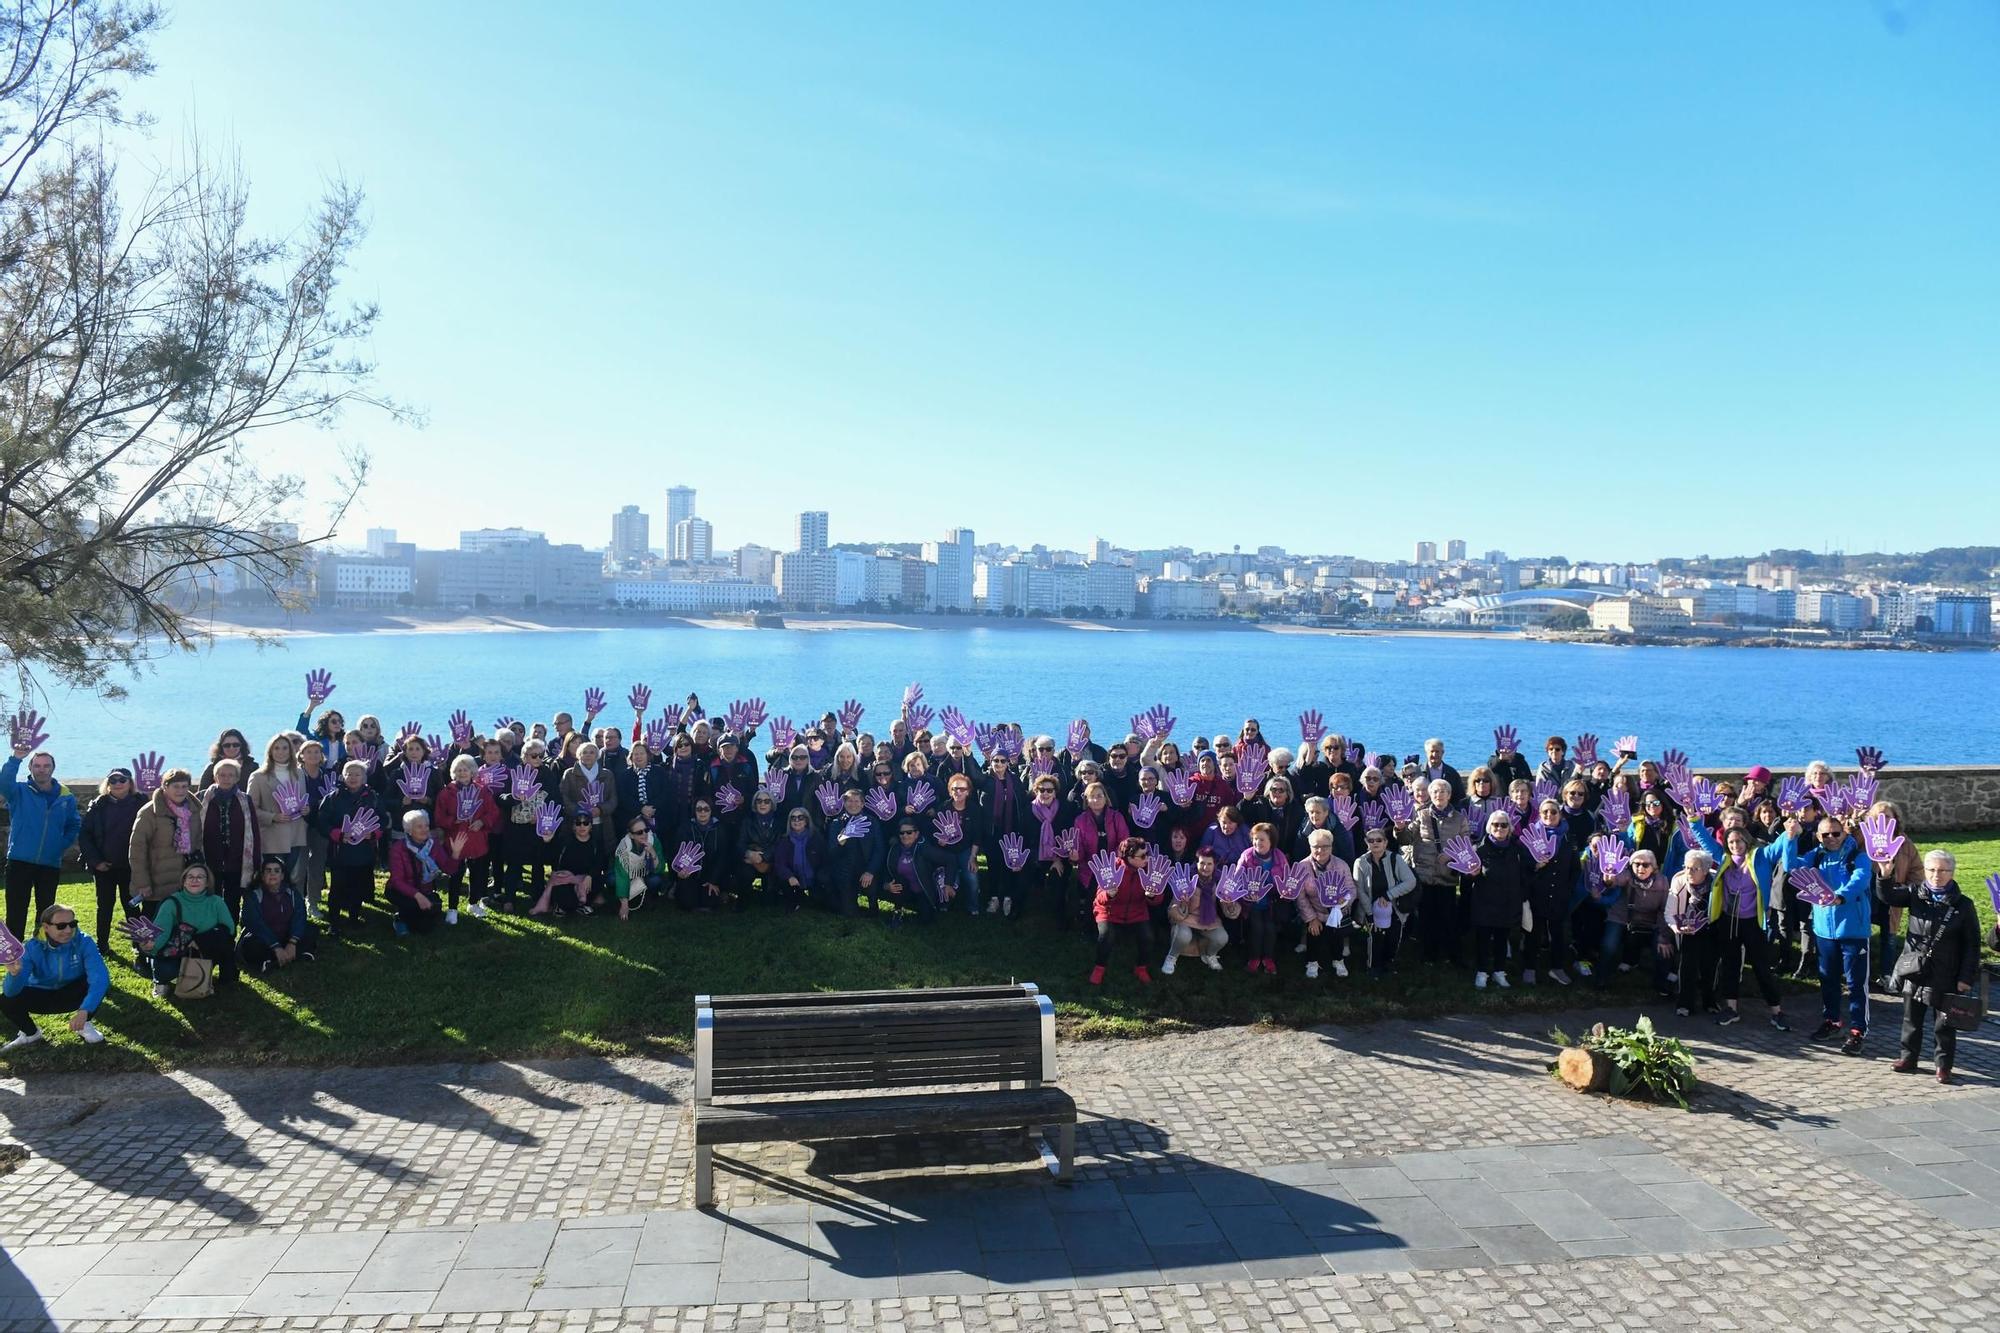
(1046, 812)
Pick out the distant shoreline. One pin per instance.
(246, 624)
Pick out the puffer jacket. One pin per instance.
(1430, 831)
(1943, 934)
(42, 824)
(157, 860)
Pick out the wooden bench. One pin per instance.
(858, 1045)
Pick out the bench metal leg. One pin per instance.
(704, 1177)
(1060, 1161)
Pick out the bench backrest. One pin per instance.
(907, 1041)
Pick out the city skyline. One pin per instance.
(1250, 252)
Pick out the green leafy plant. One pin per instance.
(1643, 1062)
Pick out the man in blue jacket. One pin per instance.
(45, 825)
(1841, 929)
(60, 971)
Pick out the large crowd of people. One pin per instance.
(1232, 849)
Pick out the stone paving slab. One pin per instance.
(1938, 1157)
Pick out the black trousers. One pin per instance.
(1737, 941)
(218, 946)
(1437, 922)
(1945, 1035)
(471, 881)
(64, 999)
(1139, 933)
(1695, 991)
(114, 888)
(348, 887)
(25, 878)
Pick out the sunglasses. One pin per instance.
(63, 925)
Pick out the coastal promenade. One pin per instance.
(1418, 1174)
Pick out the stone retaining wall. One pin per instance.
(1937, 798)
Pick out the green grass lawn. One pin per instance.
(511, 987)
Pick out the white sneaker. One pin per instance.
(22, 1039)
(479, 910)
(1167, 968)
(1673, 978)
(90, 1033)
(1211, 962)
(159, 990)
(451, 917)
(1479, 981)
(1006, 907)
(1300, 947)
(1528, 977)
(992, 907)
(1624, 967)
(1500, 980)
(1312, 971)
(1340, 967)
(1560, 977)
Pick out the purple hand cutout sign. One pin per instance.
(687, 860)
(1013, 851)
(435, 744)
(1344, 811)
(1690, 922)
(493, 777)
(1993, 889)
(1183, 884)
(1626, 747)
(913, 694)
(641, 698)
(361, 826)
(1146, 810)
(749, 713)
(146, 770)
(1354, 755)
(1506, 740)
(1812, 889)
(728, 800)
(593, 702)
(673, 715)
(505, 723)
(415, 782)
(141, 931)
(1547, 791)
(918, 716)
(947, 829)
(1611, 857)
(1180, 787)
(656, 735)
(955, 725)
(1104, 870)
(849, 716)
(829, 797)
(783, 734)
(1870, 759)
(1066, 844)
(28, 733)
(857, 826)
(290, 798)
(1256, 884)
(1879, 833)
(920, 796)
(1863, 788)
(1230, 885)
(1460, 856)
(524, 787)
(548, 817)
(775, 783)
(881, 801)
(1586, 749)
(1616, 809)
(461, 727)
(1399, 805)
(1792, 795)
(1312, 727)
(319, 685)
(1541, 842)
(987, 740)
(1079, 739)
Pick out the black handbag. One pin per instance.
(1963, 1012)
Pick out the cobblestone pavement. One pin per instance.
(254, 1160)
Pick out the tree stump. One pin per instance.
(1586, 1071)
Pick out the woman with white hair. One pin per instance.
(1686, 923)
(1940, 958)
(417, 863)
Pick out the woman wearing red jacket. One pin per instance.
(464, 806)
(1099, 828)
(1125, 910)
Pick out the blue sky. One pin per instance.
(1551, 277)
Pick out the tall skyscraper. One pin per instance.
(1427, 553)
(380, 540)
(954, 561)
(680, 508)
(812, 531)
(694, 539)
(1455, 549)
(630, 535)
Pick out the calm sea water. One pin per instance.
(1722, 705)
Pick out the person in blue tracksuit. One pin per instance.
(45, 825)
(1841, 928)
(59, 971)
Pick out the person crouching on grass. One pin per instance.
(417, 864)
(276, 932)
(1125, 909)
(60, 971)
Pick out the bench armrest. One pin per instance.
(704, 1051)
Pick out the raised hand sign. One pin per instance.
(881, 802)
(987, 740)
(1344, 811)
(1863, 789)
(1813, 889)
(1353, 755)
(505, 723)
(1616, 809)
(146, 770)
(657, 735)
(673, 715)
(849, 716)
(461, 727)
(1878, 832)
(1674, 764)
(641, 698)
(1104, 870)
(548, 817)
(1180, 787)
(920, 796)
(688, 859)
(593, 702)
(1702, 793)
(319, 686)
(1792, 795)
(1611, 857)
(1078, 743)
(1146, 810)
(947, 829)
(918, 716)
(774, 784)
(728, 800)
(1547, 791)
(1398, 804)
(1626, 747)
(524, 786)
(783, 734)
(1460, 856)
(913, 694)
(829, 797)
(955, 724)
(28, 733)
(1312, 727)
(1506, 740)
(1013, 851)
(1541, 842)
(1586, 749)
(749, 713)
(1870, 759)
